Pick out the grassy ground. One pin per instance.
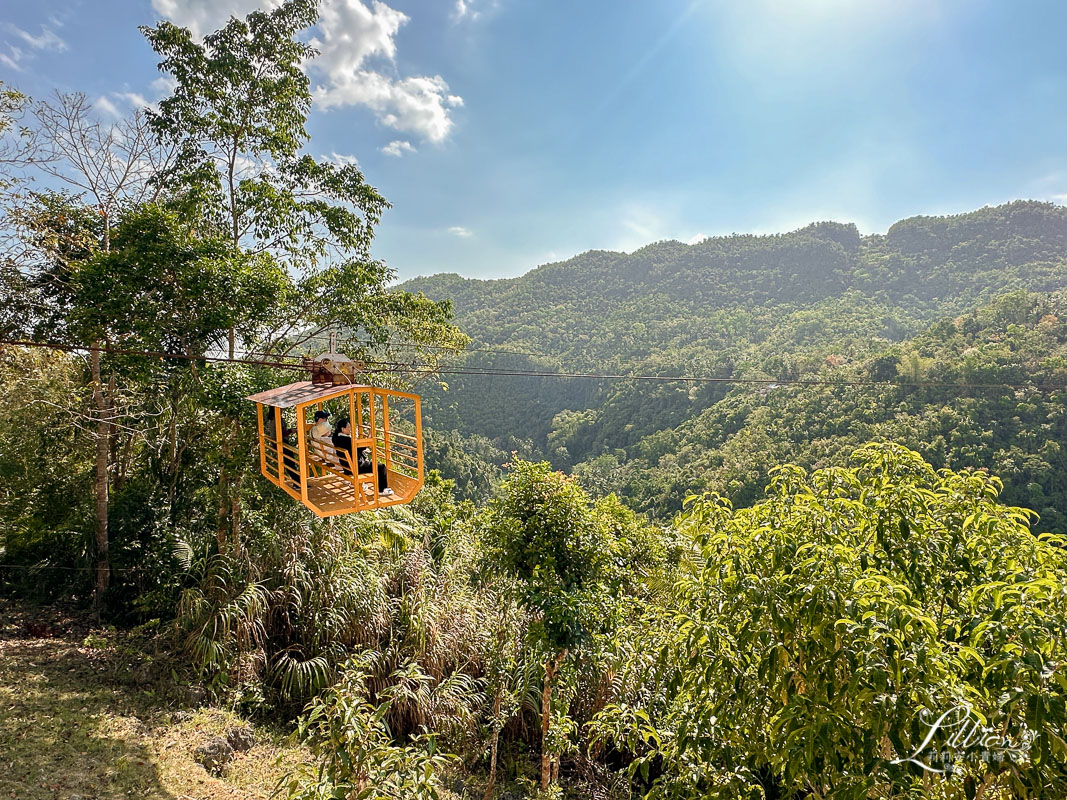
(83, 716)
(77, 720)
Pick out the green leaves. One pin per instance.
(819, 625)
(356, 755)
(560, 553)
(163, 288)
(238, 115)
(299, 228)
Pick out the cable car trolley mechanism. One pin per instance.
(374, 460)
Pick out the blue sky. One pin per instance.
(509, 133)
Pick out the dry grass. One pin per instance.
(73, 724)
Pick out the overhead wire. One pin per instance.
(416, 346)
(146, 353)
(43, 567)
(322, 338)
(425, 369)
(766, 382)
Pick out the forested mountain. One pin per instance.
(970, 299)
(924, 264)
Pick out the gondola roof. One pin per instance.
(295, 394)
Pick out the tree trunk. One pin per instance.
(552, 665)
(123, 459)
(235, 218)
(103, 455)
(100, 484)
(546, 717)
(173, 461)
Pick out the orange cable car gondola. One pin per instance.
(382, 466)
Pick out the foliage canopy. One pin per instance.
(821, 631)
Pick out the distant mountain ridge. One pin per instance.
(922, 259)
(820, 302)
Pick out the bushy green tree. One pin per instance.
(102, 168)
(45, 474)
(237, 115)
(820, 632)
(162, 287)
(559, 553)
(208, 227)
(237, 119)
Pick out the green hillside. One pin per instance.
(967, 299)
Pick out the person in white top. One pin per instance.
(321, 442)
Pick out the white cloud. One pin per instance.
(472, 9)
(1050, 187)
(353, 38)
(637, 224)
(12, 60)
(119, 104)
(411, 105)
(351, 34)
(245, 167)
(164, 84)
(105, 105)
(464, 9)
(643, 224)
(203, 16)
(398, 148)
(461, 232)
(341, 160)
(134, 100)
(348, 33)
(48, 40)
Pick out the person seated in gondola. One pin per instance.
(321, 438)
(342, 439)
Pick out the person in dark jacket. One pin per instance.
(342, 438)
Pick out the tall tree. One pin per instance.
(558, 552)
(816, 637)
(110, 165)
(238, 114)
(15, 152)
(106, 167)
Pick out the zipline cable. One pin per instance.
(766, 382)
(148, 353)
(424, 369)
(414, 346)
